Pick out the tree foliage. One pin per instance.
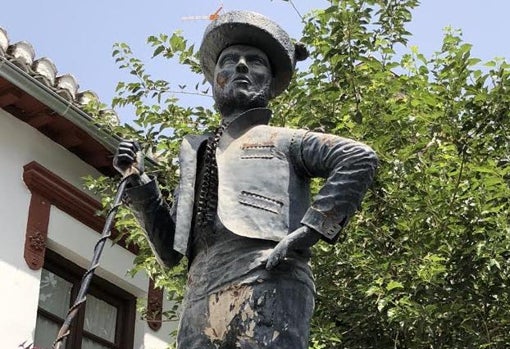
(425, 264)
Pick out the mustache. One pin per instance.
(241, 77)
(227, 100)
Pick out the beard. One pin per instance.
(234, 99)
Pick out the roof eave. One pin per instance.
(60, 105)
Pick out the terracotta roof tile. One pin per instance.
(23, 55)
(4, 41)
(46, 71)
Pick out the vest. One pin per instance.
(262, 192)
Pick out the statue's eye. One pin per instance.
(229, 59)
(256, 60)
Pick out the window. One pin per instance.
(105, 321)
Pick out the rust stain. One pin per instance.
(250, 331)
(221, 79)
(224, 306)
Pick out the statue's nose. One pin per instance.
(242, 67)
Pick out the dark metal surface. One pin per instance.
(248, 259)
(252, 29)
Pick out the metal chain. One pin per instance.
(208, 193)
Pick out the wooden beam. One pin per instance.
(9, 96)
(37, 231)
(49, 188)
(69, 139)
(39, 120)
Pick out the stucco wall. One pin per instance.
(19, 290)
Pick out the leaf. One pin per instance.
(394, 285)
(158, 51)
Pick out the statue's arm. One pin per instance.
(348, 167)
(156, 219)
(144, 198)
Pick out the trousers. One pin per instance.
(269, 314)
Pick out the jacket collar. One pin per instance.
(245, 121)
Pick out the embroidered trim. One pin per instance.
(258, 151)
(257, 156)
(260, 202)
(259, 207)
(257, 146)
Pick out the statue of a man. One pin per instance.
(242, 214)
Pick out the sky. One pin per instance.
(78, 35)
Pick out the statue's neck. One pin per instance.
(247, 118)
(232, 115)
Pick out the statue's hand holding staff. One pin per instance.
(129, 161)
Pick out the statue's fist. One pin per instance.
(128, 158)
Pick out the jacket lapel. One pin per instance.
(186, 192)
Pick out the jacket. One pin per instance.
(264, 177)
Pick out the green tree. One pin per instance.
(425, 263)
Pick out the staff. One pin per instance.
(87, 277)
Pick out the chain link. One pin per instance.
(208, 193)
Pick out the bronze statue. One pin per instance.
(242, 214)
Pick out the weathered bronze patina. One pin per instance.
(243, 214)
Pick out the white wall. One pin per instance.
(19, 290)
(76, 241)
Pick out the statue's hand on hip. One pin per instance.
(301, 238)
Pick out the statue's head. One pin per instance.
(248, 59)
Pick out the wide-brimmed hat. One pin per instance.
(252, 29)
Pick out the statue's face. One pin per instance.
(242, 79)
